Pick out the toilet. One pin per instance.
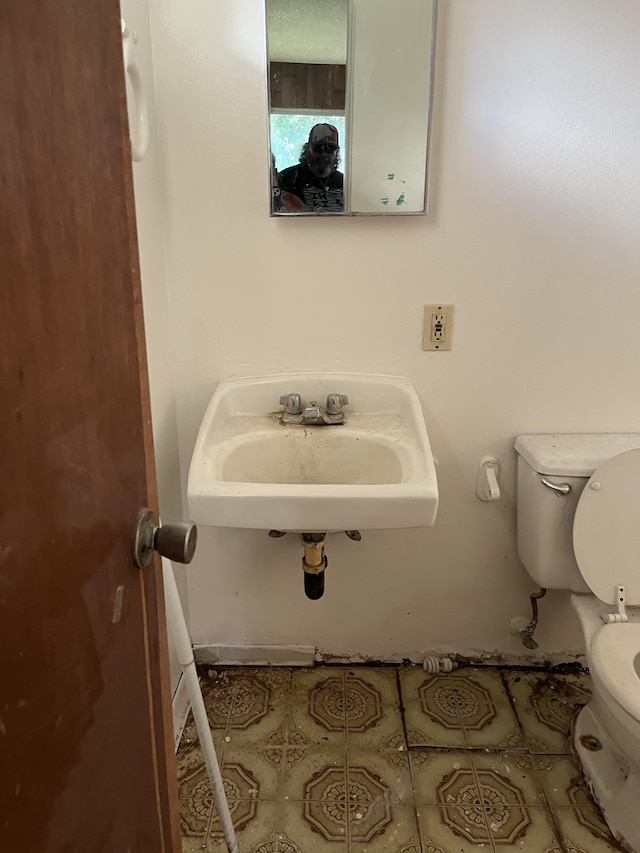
(578, 504)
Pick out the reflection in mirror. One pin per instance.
(349, 105)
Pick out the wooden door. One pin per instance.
(86, 758)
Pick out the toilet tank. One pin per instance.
(545, 517)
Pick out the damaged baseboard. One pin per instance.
(255, 655)
(465, 657)
(263, 655)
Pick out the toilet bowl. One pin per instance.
(605, 526)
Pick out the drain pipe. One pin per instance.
(182, 642)
(314, 562)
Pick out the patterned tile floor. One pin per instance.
(392, 760)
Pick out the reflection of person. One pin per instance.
(283, 202)
(316, 179)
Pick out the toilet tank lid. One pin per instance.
(575, 454)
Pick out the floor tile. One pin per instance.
(191, 739)
(583, 834)
(465, 708)
(191, 845)
(375, 726)
(485, 683)
(359, 759)
(482, 804)
(472, 828)
(485, 708)
(249, 774)
(246, 702)
(188, 758)
(561, 779)
(493, 727)
(316, 827)
(372, 775)
(545, 705)
(384, 828)
(317, 773)
(328, 820)
(305, 682)
(394, 752)
(282, 828)
(381, 679)
(316, 725)
(432, 771)
(354, 701)
(276, 681)
(195, 816)
(429, 718)
(526, 830)
(446, 830)
(508, 778)
(195, 784)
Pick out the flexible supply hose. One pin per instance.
(182, 642)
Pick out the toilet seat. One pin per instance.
(606, 531)
(612, 655)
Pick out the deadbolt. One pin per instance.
(177, 542)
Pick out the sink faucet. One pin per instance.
(295, 413)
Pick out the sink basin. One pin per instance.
(374, 471)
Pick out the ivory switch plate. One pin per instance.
(438, 327)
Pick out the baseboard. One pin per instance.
(181, 707)
(467, 657)
(255, 655)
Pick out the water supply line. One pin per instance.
(182, 642)
(526, 635)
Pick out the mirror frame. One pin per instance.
(424, 209)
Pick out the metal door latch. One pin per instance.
(175, 541)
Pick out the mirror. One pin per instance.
(350, 85)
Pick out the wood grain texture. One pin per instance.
(301, 85)
(83, 728)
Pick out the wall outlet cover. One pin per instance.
(438, 327)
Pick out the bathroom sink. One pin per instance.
(376, 470)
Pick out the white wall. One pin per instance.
(532, 233)
(147, 178)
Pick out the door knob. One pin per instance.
(175, 541)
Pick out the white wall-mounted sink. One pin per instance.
(374, 471)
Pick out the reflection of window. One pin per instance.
(289, 132)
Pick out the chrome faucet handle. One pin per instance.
(292, 403)
(335, 402)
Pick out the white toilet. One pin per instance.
(586, 539)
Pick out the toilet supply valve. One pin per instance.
(487, 488)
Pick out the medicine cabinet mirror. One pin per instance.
(350, 88)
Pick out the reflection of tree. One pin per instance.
(289, 133)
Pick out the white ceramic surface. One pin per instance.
(374, 471)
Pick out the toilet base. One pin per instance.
(614, 782)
